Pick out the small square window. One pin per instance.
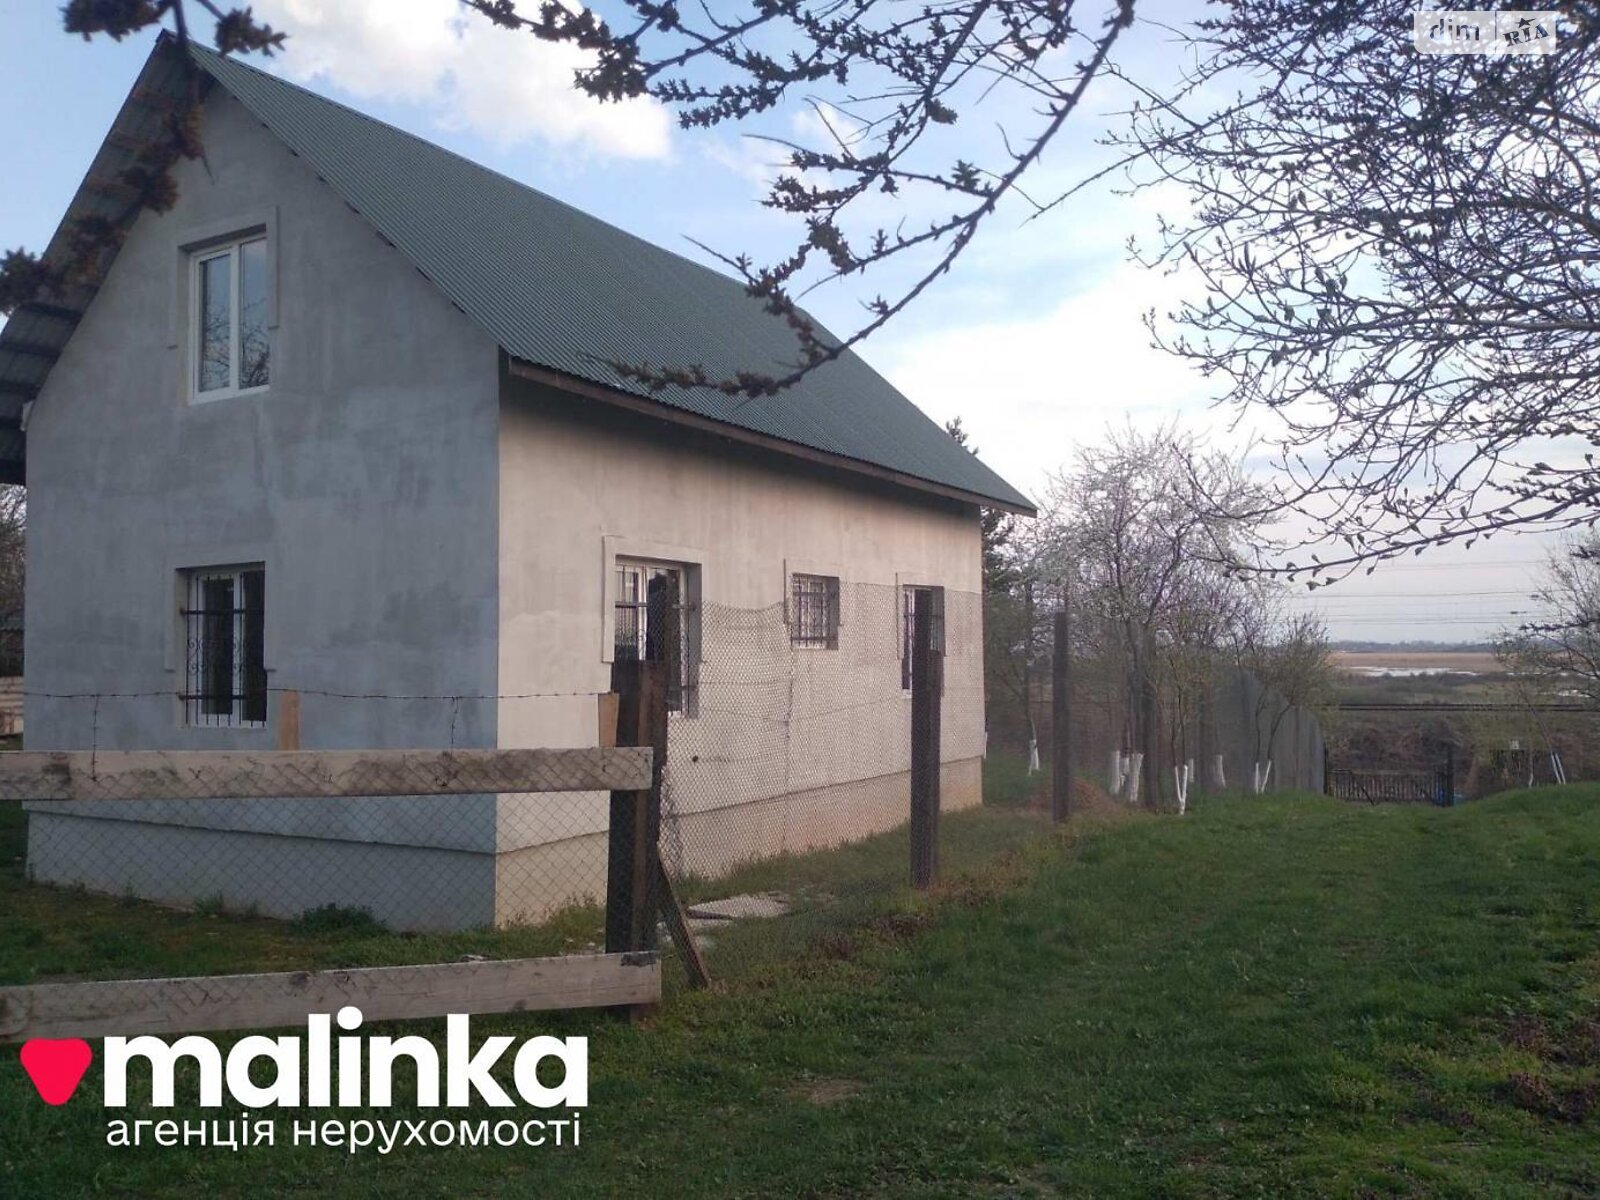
(814, 611)
(224, 626)
(231, 339)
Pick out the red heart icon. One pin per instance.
(56, 1066)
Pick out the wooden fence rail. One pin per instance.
(630, 976)
(335, 774)
(127, 1007)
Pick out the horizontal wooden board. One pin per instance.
(161, 1006)
(270, 774)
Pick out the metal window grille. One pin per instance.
(815, 619)
(651, 623)
(908, 619)
(224, 621)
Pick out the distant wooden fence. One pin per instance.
(628, 975)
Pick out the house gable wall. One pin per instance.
(364, 478)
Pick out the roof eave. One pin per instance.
(616, 397)
(39, 330)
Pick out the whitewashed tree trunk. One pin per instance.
(1220, 772)
(1180, 777)
(1135, 771)
(1263, 776)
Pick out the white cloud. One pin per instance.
(505, 86)
(1032, 388)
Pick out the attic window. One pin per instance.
(232, 343)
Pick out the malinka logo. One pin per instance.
(303, 1076)
(56, 1066)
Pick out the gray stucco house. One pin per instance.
(341, 422)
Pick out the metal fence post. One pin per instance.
(927, 686)
(1062, 768)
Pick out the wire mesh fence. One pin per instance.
(785, 788)
(325, 837)
(787, 806)
(1144, 720)
(447, 840)
(790, 747)
(811, 763)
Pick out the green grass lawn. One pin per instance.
(1272, 996)
(52, 934)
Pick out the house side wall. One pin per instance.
(581, 484)
(364, 479)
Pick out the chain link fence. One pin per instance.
(783, 819)
(450, 840)
(787, 799)
(1150, 724)
(782, 814)
(124, 870)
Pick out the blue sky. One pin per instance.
(1035, 340)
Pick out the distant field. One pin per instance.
(1368, 662)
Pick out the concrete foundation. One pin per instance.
(406, 887)
(533, 882)
(421, 887)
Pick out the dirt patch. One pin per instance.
(1088, 799)
(1537, 1095)
(1575, 1043)
(837, 947)
(1527, 1033)
(1581, 1045)
(828, 1092)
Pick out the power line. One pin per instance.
(1317, 597)
(1457, 706)
(1438, 566)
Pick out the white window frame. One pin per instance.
(688, 614)
(197, 259)
(195, 666)
(905, 586)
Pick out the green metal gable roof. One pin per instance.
(556, 288)
(564, 290)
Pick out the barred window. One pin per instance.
(224, 625)
(908, 619)
(652, 622)
(814, 611)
